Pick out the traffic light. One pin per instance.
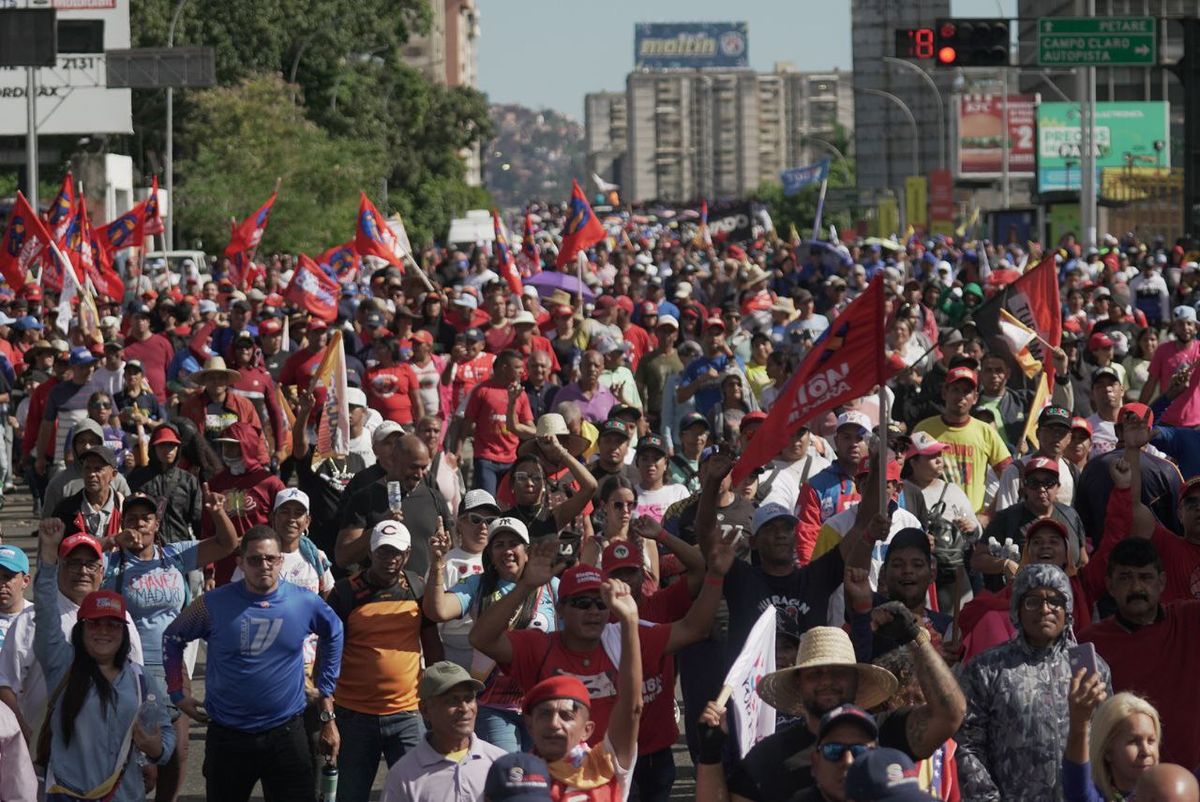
(971, 42)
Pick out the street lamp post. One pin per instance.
(912, 121)
(829, 146)
(941, 104)
(170, 227)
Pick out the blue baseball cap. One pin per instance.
(769, 512)
(28, 322)
(81, 356)
(884, 775)
(14, 559)
(518, 777)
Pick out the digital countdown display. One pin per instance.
(915, 43)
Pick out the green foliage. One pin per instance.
(379, 118)
(234, 134)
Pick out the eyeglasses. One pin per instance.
(834, 752)
(524, 476)
(83, 566)
(1032, 603)
(587, 603)
(260, 560)
(623, 505)
(476, 519)
(1041, 484)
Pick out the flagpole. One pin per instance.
(884, 412)
(580, 259)
(820, 208)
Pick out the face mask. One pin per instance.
(236, 466)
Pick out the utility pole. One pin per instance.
(1086, 89)
(31, 143)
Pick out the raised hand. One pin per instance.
(439, 544)
(539, 567)
(213, 502)
(857, 584)
(50, 534)
(306, 398)
(878, 527)
(1121, 473)
(722, 553)
(893, 620)
(514, 392)
(645, 526)
(617, 596)
(1086, 694)
(720, 465)
(552, 449)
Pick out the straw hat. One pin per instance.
(554, 425)
(214, 367)
(786, 306)
(826, 646)
(754, 274)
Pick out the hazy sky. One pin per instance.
(550, 53)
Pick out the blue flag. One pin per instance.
(797, 178)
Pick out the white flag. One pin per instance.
(70, 290)
(753, 719)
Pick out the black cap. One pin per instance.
(1055, 416)
(910, 538)
(140, 499)
(613, 427)
(102, 452)
(473, 335)
(624, 409)
(1105, 373)
(652, 442)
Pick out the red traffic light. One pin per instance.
(947, 30)
(946, 55)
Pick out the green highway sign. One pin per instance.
(1097, 41)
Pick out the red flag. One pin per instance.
(154, 223)
(582, 230)
(844, 364)
(58, 216)
(1034, 300)
(504, 256)
(249, 232)
(313, 290)
(341, 262)
(88, 259)
(374, 238)
(127, 231)
(24, 240)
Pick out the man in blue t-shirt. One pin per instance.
(255, 631)
(702, 376)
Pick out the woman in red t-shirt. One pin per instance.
(392, 387)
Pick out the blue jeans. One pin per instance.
(653, 777)
(364, 738)
(502, 728)
(487, 474)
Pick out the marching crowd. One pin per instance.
(530, 572)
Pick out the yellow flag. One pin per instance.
(1017, 336)
(1040, 399)
(333, 427)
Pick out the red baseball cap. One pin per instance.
(714, 323)
(316, 324)
(1188, 486)
(579, 579)
(78, 540)
(925, 445)
(962, 373)
(1081, 423)
(269, 326)
(649, 308)
(1100, 340)
(164, 434)
(1140, 410)
(626, 303)
(32, 292)
(620, 554)
(1041, 464)
(606, 302)
(422, 336)
(102, 604)
(893, 469)
(752, 418)
(562, 686)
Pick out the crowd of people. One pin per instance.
(530, 571)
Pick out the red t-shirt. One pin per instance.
(467, 375)
(1168, 680)
(488, 407)
(537, 655)
(388, 392)
(298, 370)
(155, 354)
(641, 341)
(497, 338)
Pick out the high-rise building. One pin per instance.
(883, 135)
(678, 135)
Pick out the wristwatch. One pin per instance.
(326, 716)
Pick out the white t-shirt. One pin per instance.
(841, 523)
(460, 564)
(785, 483)
(956, 501)
(655, 502)
(428, 380)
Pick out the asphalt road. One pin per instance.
(19, 527)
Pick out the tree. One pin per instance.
(242, 137)
(349, 81)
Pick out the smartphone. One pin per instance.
(1083, 656)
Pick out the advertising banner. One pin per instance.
(941, 202)
(690, 45)
(981, 141)
(916, 201)
(1128, 134)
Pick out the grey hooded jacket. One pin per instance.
(1013, 736)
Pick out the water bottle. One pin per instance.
(148, 714)
(329, 778)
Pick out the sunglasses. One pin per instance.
(834, 752)
(623, 505)
(587, 603)
(260, 560)
(1041, 484)
(1032, 603)
(101, 405)
(476, 519)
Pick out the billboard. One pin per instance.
(690, 45)
(1128, 134)
(73, 97)
(981, 140)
